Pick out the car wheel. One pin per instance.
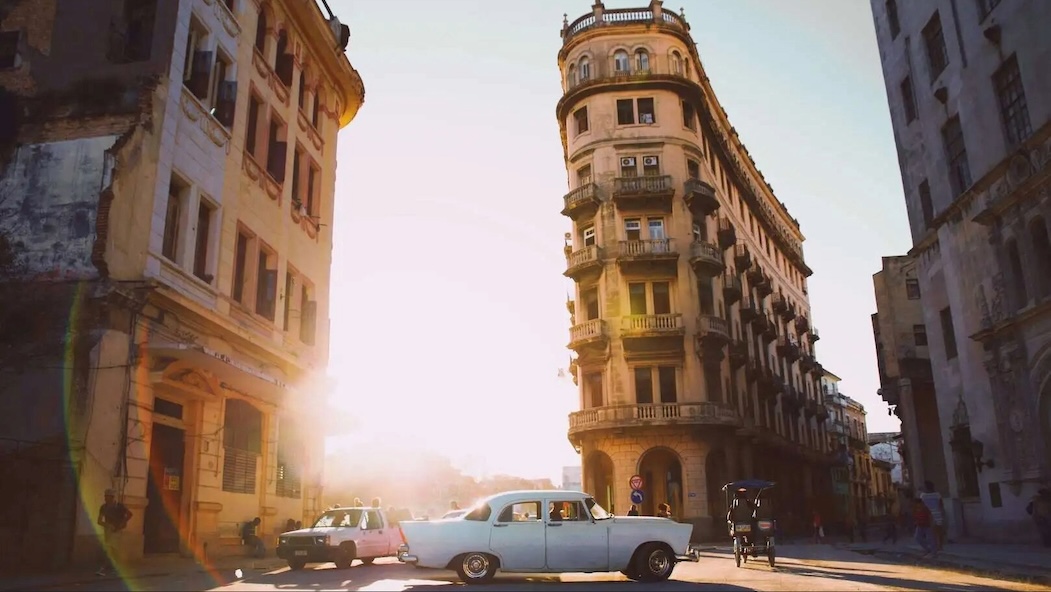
(296, 564)
(630, 574)
(345, 556)
(655, 563)
(476, 568)
(368, 560)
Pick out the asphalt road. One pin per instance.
(799, 567)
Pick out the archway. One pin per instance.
(598, 478)
(715, 475)
(661, 471)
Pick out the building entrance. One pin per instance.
(164, 490)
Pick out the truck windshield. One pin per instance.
(597, 511)
(334, 518)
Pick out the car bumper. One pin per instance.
(316, 554)
(692, 555)
(405, 557)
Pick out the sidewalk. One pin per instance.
(1025, 562)
(148, 568)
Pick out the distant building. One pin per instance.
(572, 478)
(885, 446)
(852, 473)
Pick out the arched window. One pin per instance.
(642, 61)
(585, 69)
(302, 99)
(571, 80)
(1017, 275)
(260, 32)
(676, 63)
(1042, 254)
(620, 61)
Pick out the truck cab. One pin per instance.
(341, 535)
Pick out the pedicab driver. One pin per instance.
(742, 511)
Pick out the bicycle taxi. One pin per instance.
(750, 519)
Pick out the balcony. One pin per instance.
(789, 313)
(727, 233)
(752, 371)
(649, 192)
(589, 334)
(583, 262)
(706, 259)
(813, 335)
(754, 274)
(788, 348)
(652, 414)
(582, 202)
(712, 332)
(770, 384)
(731, 287)
(778, 303)
(769, 331)
(822, 413)
(806, 362)
(738, 353)
(742, 257)
(749, 310)
(648, 256)
(790, 399)
(810, 408)
(654, 325)
(802, 324)
(818, 370)
(765, 287)
(700, 197)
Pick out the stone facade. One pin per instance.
(183, 286)
(852, 473)
(971, 111)
(690, 322)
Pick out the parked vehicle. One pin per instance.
(547, 532)
(341, 535)
(750, 519)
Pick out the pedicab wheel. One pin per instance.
(737, 553)
(770, 555)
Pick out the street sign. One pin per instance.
(636, 496)
(635, 482)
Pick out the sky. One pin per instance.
(449, 322)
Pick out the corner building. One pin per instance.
(691, 325)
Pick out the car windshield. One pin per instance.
(597, 511)
(334, 518)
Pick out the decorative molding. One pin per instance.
(227, 18)
(251, 168)
(197, 113)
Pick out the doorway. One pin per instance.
(164, 490)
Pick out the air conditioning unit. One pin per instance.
(627, 161)
(649, 161)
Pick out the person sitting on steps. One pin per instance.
(250, 539)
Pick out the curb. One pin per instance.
(77, 580)
(1021, 573)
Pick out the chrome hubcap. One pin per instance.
(475, 565)
(659, 563)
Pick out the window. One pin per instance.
(315, 110)
(131, 35)
(1014, 260)
(593, 388)
(290, 282)
(197, 69)
(1041, 254)
(202, 260)
(313, 187)
(693, 169)
(912, 288)
(571, 76)
(568, 511)
(277, 149)
(242, 444)
(956, 154)
(948, 333)
(651, 165)
(689, 116)
(260, 32)
(9, 57)
(625, 111)
(307, 315)
(283, 60)
(621, 64)
(521, 512)
(666, 382)
(676, 63)
(663, 377)
(937, 55)
(926, 205)
(373, 520)
(908, 99)
(255, 104)
(919, 335)
(892, 18)
(301, 99)
(661, 297)
(646, 112)
(580, 116)
(633, 229)
(1013, 109)
(266, 284)
(585, 69)
(297, 163)
(588, 235)
(642, 61)
(240, 266)
(591, 308)
(644, 385)
(178, 192)
(637, 298)
(985, 7)
(584, 175)
(221, 71)
(628, 167)
(288, 481)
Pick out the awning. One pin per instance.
(232, 374)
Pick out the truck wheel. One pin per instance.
(655, 563)
(368, 560)
(345, 556)
(296, 564)
(476, 568)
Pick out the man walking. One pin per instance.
(933, 500)
(113, 517)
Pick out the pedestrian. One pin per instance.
(358, 503)
(633, 510)
(924, 521)
(664, 511)
(250, 539)
(113, 518)
(863, 526)
(376, 502)
(891, 531)
(933, 500)
(1040, 509)
(453, 506)
(819, 530)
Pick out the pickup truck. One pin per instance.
(341, 535)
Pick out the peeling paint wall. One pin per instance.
(49, 201)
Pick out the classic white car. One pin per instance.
(547, 532)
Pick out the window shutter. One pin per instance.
(283, 68)
(270, 292)
(200, 74)
(227, 102)
(276, 160)
(308, 323)
(116, 49)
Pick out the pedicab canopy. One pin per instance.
(748, 484)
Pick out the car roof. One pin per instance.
(531, 494)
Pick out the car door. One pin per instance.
(517, 537)
(374, 539)
(573, 541)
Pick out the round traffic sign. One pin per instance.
(635, 482)
(636, 496)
